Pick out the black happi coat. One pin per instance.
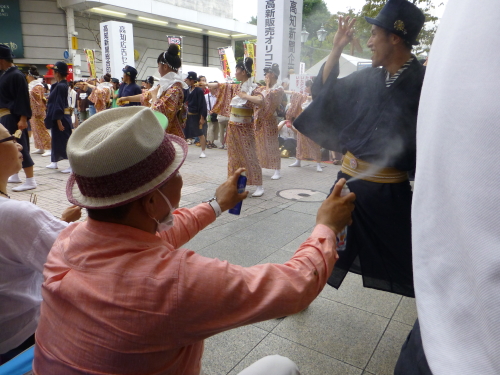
(58, 101)
(14, 96)
(196, 104)
(377, 124)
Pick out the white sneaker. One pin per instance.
(296, 164)
(259, 192)
(276, 175)
(318, 168)
(68, 170)
(14, 179)
(30, 184)
(202, 155)
(39, 151)
(47, 153)
(52, 166)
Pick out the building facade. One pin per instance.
(49, 25)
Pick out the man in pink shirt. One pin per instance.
(120, 295)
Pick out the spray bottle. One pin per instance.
(342, 236)
(241, 184)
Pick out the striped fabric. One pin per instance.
(390, 80)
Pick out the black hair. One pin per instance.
(33, 71)
(309, 83)
(108, 214)
(170, 57)
(406, 43)
(246, 65)
(9, 61)
(150, 80)
(107, 77)
(200, 77)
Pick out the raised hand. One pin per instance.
(345, 33)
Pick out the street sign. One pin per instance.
(66, 55)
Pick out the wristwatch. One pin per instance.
(215, 205)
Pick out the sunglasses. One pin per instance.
(11, 138)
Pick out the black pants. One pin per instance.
(412, 359)
(28, 343)
(10, 123)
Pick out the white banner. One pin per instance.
(279, 23)
(117, 42)
(298, 82)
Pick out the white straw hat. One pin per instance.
(120, 155)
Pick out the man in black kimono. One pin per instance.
(15, 111)
(197, 111)
(58, 117)
(371, 115)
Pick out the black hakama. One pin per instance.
(57, 103)
(376, 124)
(14, 96)
(197, 107)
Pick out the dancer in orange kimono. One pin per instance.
(168, 96)
(38, 103)
(101, 94)
(306, 147)
(237, 101)
(266, 123)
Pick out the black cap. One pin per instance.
(61, 67)
(130, 71)
(115, 80)
(275, 69)
(6, 52)
(402, 18)
(193, 76)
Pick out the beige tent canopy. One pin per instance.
(348, 65)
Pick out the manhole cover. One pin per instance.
(303, 195)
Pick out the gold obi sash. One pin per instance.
(241, 115)
(370, 172)
(68, 111)
(4, 112)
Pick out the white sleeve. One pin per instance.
(28, 233)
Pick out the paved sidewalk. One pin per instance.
(353, 330)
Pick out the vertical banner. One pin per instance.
(11, 33)
(279, 23)
(90, 54)
(227, 61)
(298, 82)
(249, 51)
(117, 42)
(223, 63)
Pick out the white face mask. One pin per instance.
(168, 221)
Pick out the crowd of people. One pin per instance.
(130, 300)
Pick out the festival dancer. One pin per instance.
(129, 87)
(266, 129)
(306, 147)
(102, 93)
(237, 101)
(147, 87)
(197, 111)
(38, 103)
(371, 115)
(168, 96)
(15, 112)
(58, 117)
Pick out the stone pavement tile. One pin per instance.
(406, 311)
(339, 331)
(386, 355)
(352, 293)
(310, 208)
(279, 229)
(310, 362)
(295, 244)
(225, 350)
(238, 251)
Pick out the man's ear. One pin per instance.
(149, 204)
(396, 39)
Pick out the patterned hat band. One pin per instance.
(130, 178)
